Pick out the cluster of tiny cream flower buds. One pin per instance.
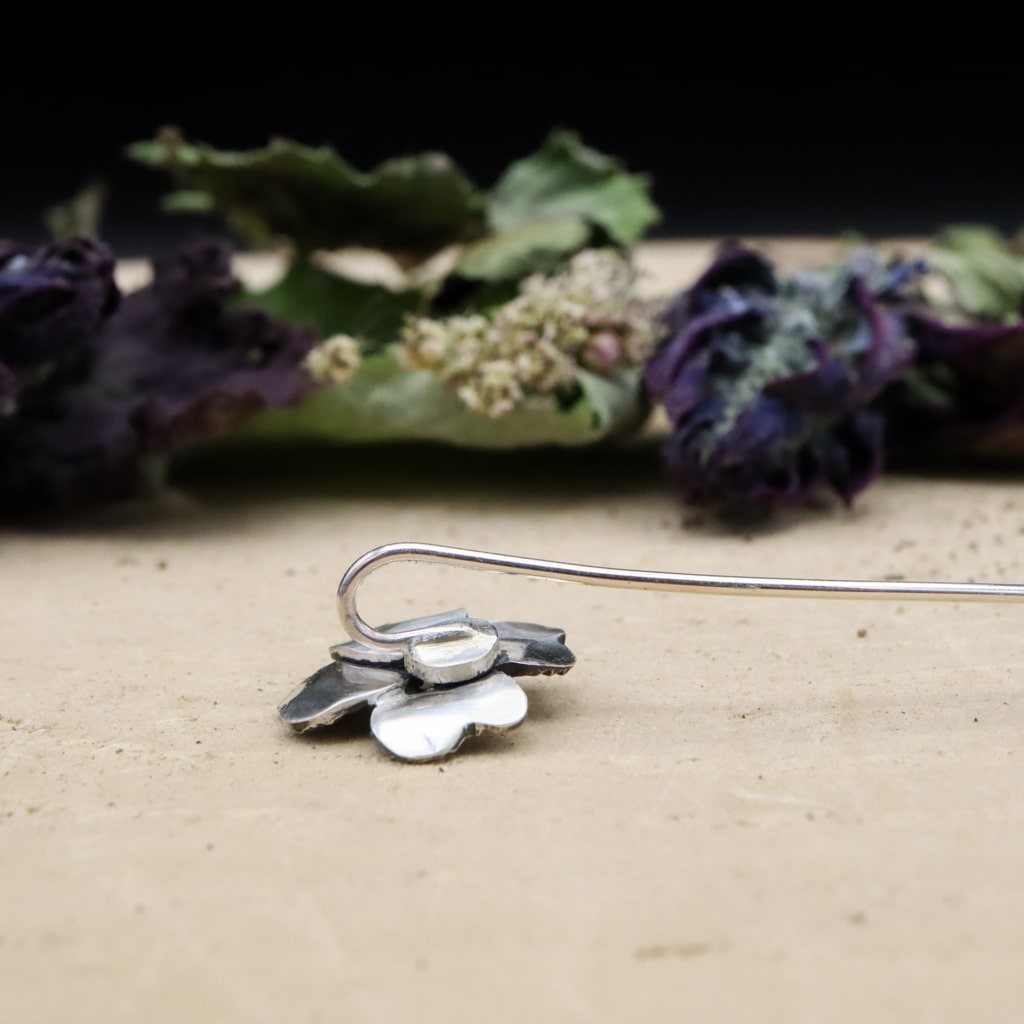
(335, 360)
(588, 316)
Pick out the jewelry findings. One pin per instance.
(432, 682)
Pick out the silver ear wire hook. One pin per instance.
(436, 680)
(629, 579)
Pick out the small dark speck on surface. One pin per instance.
(682, 951)
(862, 633)
(894, 576)
(162, 564)
(856, 918)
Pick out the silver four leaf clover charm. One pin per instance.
(428, 698)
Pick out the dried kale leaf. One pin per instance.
(331, 304)
(769, 381)
(309, 196)
(564, 198)
(385, 401)
(985, 271)
(94, 389)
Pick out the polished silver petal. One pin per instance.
(427, 725)
(529, 649)
(354, 650)
(457, 659)
(334, 691)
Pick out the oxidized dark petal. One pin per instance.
(531, 649)
(337, 690)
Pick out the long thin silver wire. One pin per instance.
(627, 579)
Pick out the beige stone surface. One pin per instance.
(730, 810)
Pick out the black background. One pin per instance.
(728, 154)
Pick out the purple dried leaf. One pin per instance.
(766, 380)
(965, 390)
(189, 368)
(67, 452)
(174, 365)
(53, 299)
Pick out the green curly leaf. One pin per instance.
(386, 402)
(565, 179)
(410, 207)
(534, 248)
(985, 271)
(550, 205)
(330, 304)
